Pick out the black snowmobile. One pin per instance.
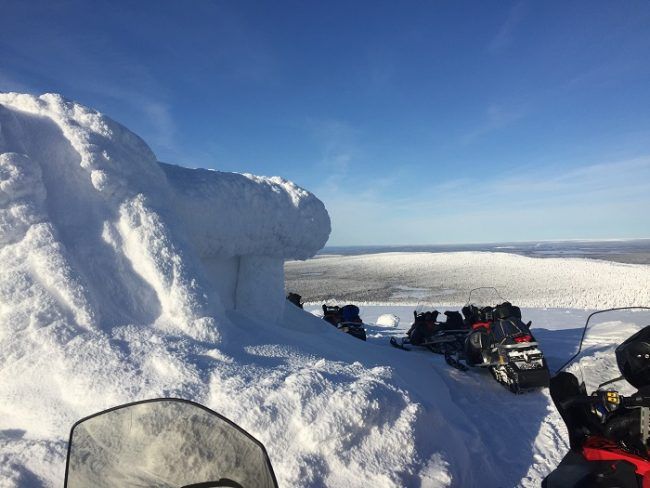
(501, 341)
(609, 433)
(345, 319)
(166, 443)
(445, 338)
(492, 337)
(295, 299)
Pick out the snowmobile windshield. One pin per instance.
(484, 296)
(594, 361)
(164, 443)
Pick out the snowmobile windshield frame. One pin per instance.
(474, 291)
(265, 460)
(586, 326)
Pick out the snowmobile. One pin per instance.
(501, 341)
(345, 319)
(609, 433)
(166, 443)
(445, 338)
(492, 337)
(295, 299)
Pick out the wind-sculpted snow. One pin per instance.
(446, 278)
(248, 214)
(90, 198)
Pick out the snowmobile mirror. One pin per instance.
(164, 443)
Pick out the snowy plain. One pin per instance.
(117, 285)
(445, 278)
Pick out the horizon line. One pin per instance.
(493, 242)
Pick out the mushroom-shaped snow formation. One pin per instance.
(96, 230)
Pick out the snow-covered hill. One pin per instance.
(445, 278)
(122, 279)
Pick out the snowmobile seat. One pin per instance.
(510, 330)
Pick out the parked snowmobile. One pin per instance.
(445, 338)
(609, 433)
(501, 341)
(486, 336)
(346, 319)
(166, 443)
(295, 299)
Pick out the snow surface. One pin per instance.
(446, 278)
(124, 279)
(387, 320)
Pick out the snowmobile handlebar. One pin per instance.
(580, 400)
(609, 399)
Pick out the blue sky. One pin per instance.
(416, 122)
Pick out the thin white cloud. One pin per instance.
(591, 201)
(497, 116)
(160, 117)
(505, 35)
(339, 148)
(117, 75)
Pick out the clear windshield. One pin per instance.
(596, 362)
(164, 443)
(485, 296)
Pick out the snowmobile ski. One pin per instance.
(455, 363)
(399, 345)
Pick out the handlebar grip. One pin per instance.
(579, 400)
(636, 400)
